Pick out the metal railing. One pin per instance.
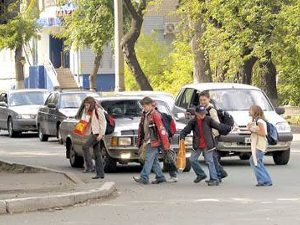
(52, 74)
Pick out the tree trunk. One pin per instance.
(245, 72)
(19, 67)
(129, 40)
(269, 78)
(93, 75)
(202, 71)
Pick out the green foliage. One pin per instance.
(20, 24)
(90, 25)
(166, 69)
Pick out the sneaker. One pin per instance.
(172, 180)
(140, 180)
(198, 179)
(98, 177)
(224, 174)
(159, 181)
(213, 183)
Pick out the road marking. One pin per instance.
(288, 199)
(207, 200)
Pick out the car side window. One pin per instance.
(186, 98)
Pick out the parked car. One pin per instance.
(119, 147)
(18, 109)
(237, 99)
(59, 105)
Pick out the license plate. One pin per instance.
(247, 140)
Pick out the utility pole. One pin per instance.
(119, 56)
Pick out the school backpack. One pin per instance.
(169, 123)
(110, 127)
(225, 118)
(272, 136)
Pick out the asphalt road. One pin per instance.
(235, 201)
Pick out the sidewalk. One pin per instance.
(26, 188)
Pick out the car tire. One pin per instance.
(59, 138)
(42, 137)
(110, 164)
(281, 157)
(10, 128)
(245, 156)
(75, 160)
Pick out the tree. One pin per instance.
(90, 26)
(17, 27)
(136, 10)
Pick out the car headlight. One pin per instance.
(26, 116)
(283, 127)
(189, 140)
(124, 141)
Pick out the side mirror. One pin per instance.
(280, 110)
(3, 104)
(51, 106)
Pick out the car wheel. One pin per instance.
(110, 164)
(188, 166)
(75, 160)
(60, 141)
(245, 156)
(10, 128)
(42, 137)
(281, 157)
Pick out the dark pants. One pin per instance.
(93, 142)
(220, 170)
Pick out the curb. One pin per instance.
(57, 200)
(69, 175)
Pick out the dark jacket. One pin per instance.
(162, 139)
(207, 124)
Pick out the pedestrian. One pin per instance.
(258, 129)
(203, 142)
(204, 100)
(94, 115)
(153, 134)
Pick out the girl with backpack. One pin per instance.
(258, 129)
(96, 131)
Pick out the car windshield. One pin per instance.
(239, 99)
(27, 98)
(73, 100)
(129, 108)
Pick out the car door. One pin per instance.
(186, 99)
(43, 115)
(3, 111)
(78, 140)
(53, 115)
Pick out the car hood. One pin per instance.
(242, 118)
(71, 112)
(26, 109)
(127, 124)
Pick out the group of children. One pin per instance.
(205, 126)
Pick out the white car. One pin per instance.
(236, 99)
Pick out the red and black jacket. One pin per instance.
(162, 140)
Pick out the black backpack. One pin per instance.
(169, 123)
(110, 126)
(225, 118)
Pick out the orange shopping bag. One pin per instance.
(181, 159)
(81, 127)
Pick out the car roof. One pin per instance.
(27, 90)
(145, 93)
(213, 86)
(124, 97)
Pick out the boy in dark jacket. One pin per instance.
(153, 134)
(203, 142)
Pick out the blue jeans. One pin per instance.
(220, 170)
(261, 174)
(151, 163)
(209, 158)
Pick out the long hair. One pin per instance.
(92, 103)
(258, 113)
